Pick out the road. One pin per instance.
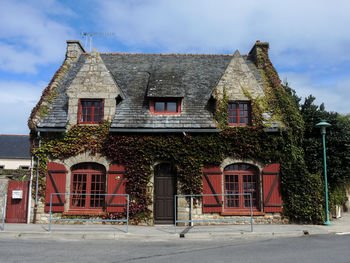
(322, 248)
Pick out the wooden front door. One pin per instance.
(164, 191)
(17, 202)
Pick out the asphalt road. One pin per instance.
(322, 248)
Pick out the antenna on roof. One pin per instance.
(88, 37)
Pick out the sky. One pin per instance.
(309, 41)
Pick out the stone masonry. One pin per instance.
(237, 78)
(93, 81)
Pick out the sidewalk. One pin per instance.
(114, 232)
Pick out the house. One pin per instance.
(14, 152)
(15, 164)
(157, 125)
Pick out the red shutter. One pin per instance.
(116, 185)
(55, 183)
(272, 188)
(212, 185)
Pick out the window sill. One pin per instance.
(239, 125)
(232, 213)
(165, 113)
(84, 213)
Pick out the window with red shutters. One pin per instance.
(241, 179)
(239, 114)
(88, 186)
(90, 111)
(165, 106)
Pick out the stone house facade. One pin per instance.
(152, 95)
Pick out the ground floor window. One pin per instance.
(88, 184)
(241, 179)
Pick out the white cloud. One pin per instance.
(298, 30)
(16, 102)
(335, 96)
(29, 36)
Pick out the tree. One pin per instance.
(337, 145)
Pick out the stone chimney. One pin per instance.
(74, 50)
(259, 48)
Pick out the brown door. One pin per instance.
(17, 202)
(164, 191)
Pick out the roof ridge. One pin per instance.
(163, 54)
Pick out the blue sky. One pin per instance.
(309, 41)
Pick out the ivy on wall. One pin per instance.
(139, 152)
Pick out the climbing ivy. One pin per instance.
(189, 153)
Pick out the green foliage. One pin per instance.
(221, 109)
(138, 153)
(337, 147)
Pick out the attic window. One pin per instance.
(165, 106)
(90, 111)
(239, 114)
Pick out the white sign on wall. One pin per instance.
(17, 194)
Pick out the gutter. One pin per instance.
(51, 129)
(30, 190)
(36, 186)
(155, 130)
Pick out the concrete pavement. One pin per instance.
(159, 232)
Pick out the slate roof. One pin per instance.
(141, 77)
(58, 116)
(14, 146)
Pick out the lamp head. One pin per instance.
(323, 125)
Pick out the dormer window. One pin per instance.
(90, 111)
(165, 106)
(239, 114)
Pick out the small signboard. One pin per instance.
(17, 194)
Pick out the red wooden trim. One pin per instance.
(92, 112)
(218, 202)
(212, 185)
(59, 197)
(116, 191)
(272, 188)
(165, 100)
(235, 124)
(116, 186)
(88, 173)
(234, 213)
(55, 183)
(84, 212)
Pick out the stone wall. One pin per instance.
(237, 79)
(93, 81)
(197, 214)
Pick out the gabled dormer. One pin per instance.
(165, 93)
(93, 93)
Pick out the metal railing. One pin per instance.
(3, 214)
(126, 220)
(191, 221)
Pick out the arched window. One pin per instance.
(241, 178)
(88, 182)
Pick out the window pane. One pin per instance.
(88, 114)
(159, 106)
(171, 106)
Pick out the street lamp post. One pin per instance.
(323, 125)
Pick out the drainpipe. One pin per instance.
(36, 187)
(30, 189)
